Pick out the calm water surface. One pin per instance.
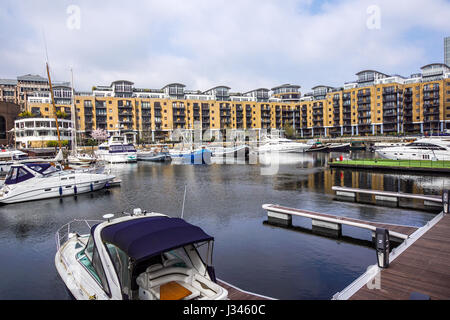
(225, 200)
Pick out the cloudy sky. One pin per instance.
(245, 44)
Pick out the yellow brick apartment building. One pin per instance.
(375, 103)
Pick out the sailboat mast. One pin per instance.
(54, 107)
(74, 121)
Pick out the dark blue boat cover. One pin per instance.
(145, 237)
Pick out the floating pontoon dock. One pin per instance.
(409, 166)
(334, 223)
(419, 269)
(388, 196)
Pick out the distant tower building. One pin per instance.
(447, 51)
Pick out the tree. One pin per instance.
(61, 115)
(99, 134)
(26, 114)
(288, 131)
(90, 142)
(54, 143)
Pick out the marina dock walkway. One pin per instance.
(419, 267)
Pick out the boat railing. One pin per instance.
(76, 226)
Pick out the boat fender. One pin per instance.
(75, 189)
(60, 191)
(92, 187)
(107, 185)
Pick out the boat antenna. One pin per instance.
(184, 200)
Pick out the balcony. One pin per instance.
(362, 109)
(390, 98)
(390, 120)
(363, 94)
(364, 115)
(389, 128)
(430, 112)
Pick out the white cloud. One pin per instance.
(243, 44)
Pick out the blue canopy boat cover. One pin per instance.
(146, 237)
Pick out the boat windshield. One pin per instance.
(17, 175)
(116, 149)
(129, 148)
(425, 146)
(120, 261)
(42, 168)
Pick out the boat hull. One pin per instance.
(163, 157)
(319, 149)
(118, 157)
(283, 148)
(55, 190)
(341, 148)
(196, 157)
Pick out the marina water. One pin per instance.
(225, 200)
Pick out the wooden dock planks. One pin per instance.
(424, 267)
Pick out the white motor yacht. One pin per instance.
(117, 150)
(142, 256)
(35, 181)
(421, 149)
(7, 158)
(282, 145)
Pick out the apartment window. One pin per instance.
(110, 110)
(110, 102)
